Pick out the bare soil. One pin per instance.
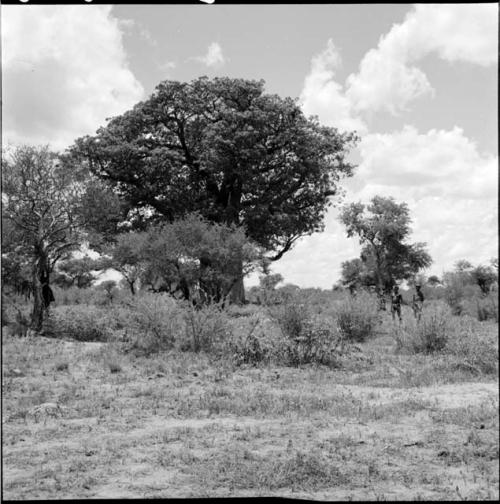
(179, 425)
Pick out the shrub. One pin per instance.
(205, 327)
(308, 337)
(427, 336)
(80, 322)
(481, 307)
(291, 317)
(457, 292)
(319, 341)
(255, 345)
(474, 345)
(358, 318)
(155, 321)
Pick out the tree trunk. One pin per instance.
(38, 304)
(237, 292)
(42, 294)
(380, 285)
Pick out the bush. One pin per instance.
(457, 293)
(309, 337)
(205, 327)
(255, 345)
(427, 336)
(291, 317)
(318, 342)
(474, 345)
(79, 322)
(358, 318)
(481, 307)
(154, 321)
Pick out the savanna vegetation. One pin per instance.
(178, 382)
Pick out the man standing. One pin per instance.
(418, 302)
(396, 301)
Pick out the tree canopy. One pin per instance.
(41, 219)
(189, 257)
(382, 227)
(226, 149)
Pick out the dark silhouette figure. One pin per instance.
(47, 294)
(418, 302)
(396, 302)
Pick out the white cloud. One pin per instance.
(64, 71)
(324, 97)
(444, 163)
(214, 56)
(450, 187)
(455, 32)
(167, 66)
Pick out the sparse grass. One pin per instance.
(243, 469)
(62, 365)
(192, 424)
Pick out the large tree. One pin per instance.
(41, 216)
(383, 227)
(224, 148)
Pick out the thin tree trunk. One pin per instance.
(237, 292)
(38, 304)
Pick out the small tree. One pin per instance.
(127, 257)
(190, 257)
(382, 228)
(76, 271)
(356, 274)
(41, 204)
(109, 287)
(268, 283)
(433, 281)
(485, 277)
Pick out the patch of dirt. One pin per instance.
(123, 444)
(441, 396)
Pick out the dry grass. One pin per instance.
(183, 424)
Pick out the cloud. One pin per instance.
(387, 80)
(450, 188)
(167, 66)
(64, 71)
(324, 97)
(439, 162)
(214, 56)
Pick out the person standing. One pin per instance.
(396, 302)
(418, 302)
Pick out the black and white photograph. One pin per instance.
(249, 250)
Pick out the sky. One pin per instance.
(418, 82)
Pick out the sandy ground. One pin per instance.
(432, 442)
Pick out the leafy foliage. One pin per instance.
(76, 271)
(41, 214)
(226, 149)
(155, 322)
(385, 257)
(206, 328)
(428, 336)
(191, 256)
(358, 318)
